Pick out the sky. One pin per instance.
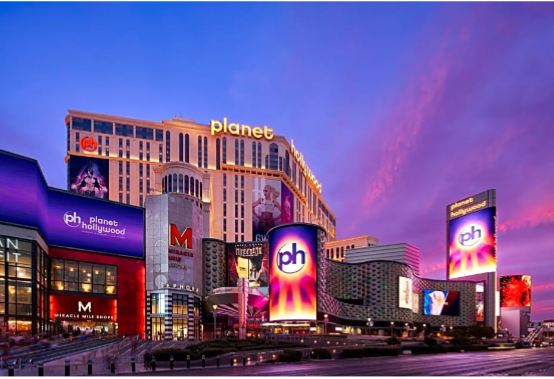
(399, 108)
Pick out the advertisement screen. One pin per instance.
(405, 293)
(441, 303)
(66, 219)
(480, 310)
(248, 260)
(515, 291)
(272, 205)
(293, 273)
(472, 244)
(89, 176)
(415, 308)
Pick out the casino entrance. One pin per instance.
(87, 327)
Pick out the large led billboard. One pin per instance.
(472, 244)
(293, 273)
(441, 303)
(515, 291)
(249, 261)
(89, 176)
(272, 205)
(405, 293)
(66, 219)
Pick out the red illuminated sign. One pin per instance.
(82, 308)
(178, 239)
(89, 144)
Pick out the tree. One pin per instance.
(480, 331)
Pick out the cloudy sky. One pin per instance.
(399, 108)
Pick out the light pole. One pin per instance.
(215, 321)
(325, 323)
(443, 329)
(391, 328)
(407, 328)
(424, 330)
(369, 325)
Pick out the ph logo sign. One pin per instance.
(289, 259)
(471, 235)
(89, 144)
(71, 219)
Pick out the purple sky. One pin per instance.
(398, 108)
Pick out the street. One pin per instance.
(533, 362)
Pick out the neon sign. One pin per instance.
(240, 130)
(178, 239)
(89, 144)
(302, 163)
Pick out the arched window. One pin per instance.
(205, 152)
(217, 154)
(187, 184)
(192, 186)
(167, 146)
(196, 187)
(259, 155)
(180, 183)
(273, 156)
(163, 184)
(187, 148)
(242, 152)
(236, 152)
(180, 147)
(254, 154)
(327, 254)
(200, 190)
(169, 184)
(224, 150)
(199, 151)
(266, 162)
(342, 252)
(287, 167)
(352, 246)
(280, 164)
(174, 183)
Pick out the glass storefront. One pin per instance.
(83, 277)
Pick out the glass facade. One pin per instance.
(83, 277)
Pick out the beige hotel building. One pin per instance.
(226, 166)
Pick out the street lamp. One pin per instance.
(407, 328)
(369, 325)
(215, 321)
(325, 323)
(391, 328)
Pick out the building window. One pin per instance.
(107, 146)
(147, 171)
(167, 146)
(224, 194)
(180, 147)
(124, 130)
(103, 127)
(141, 188)
(160, 153)
(128, 199)
(181, 189)
(242, 211)
(158, 303)
(236, 210)
(140, 170)
(187, 148)
(273, 156)
(237, 152)
(280, 164)
(192, 186)
(128, 168)
(224, 180)
(236, 196)
(200, 193)
(242, 196)
(81, 124)
(259, 155)
(242, 152)
(187, 184)
(217, 154)
(342, 252)
(121, 183)
(196, 188)
(224, 225)
(121, 196)
(128, 148)
(77, 145)
(145, 133)
(76, 276)
(199, 151)
(225, 237)
(205, 152)
(141, 201)
(287, 167)
(224, 210)
(159, 135)
(242, 226)
(224, 150)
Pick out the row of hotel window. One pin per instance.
(182, 184)
(339, 253)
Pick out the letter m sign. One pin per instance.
(178, 239)
(85, 308)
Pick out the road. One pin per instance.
(528, 362)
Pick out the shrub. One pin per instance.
(352, 352)
(430, 341)
(380, 352)
(439, 349)
(392, 341)
(290, 355)
(418, 349)
(454, 348)
(211, 352)
(178, 354)
(480, 331)
(321, 353)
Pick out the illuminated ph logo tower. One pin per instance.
(471, 247)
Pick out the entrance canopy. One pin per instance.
(227, 301)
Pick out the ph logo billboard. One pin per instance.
(293, 273)
(472, 244)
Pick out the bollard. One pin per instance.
(244, 360)
(153, 363)
(10, 370)
(133, 365)
(203, 360)
(171, 362)
(40, 369)
(67, 368)
(188, 361)
(112, 366)
(217, 361)
(90, 366)
(231, 359)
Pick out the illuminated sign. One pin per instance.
(472, 244)
(89, 176)
(515, 291)
(405, 293)
(89, 144)
(302, 163)
(248, 261)
(69, 307)
(183, 287)
(241, 130)
(441, 303)
(293, 273)
(5, 254)
(178, 239)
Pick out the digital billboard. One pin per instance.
(472, 244)
(479, 310)
(272, 205)
(515, 291)
(405, 293)
(66, 219)
(89, 176)
(249, 261)
(293, 273)
(441, 303)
